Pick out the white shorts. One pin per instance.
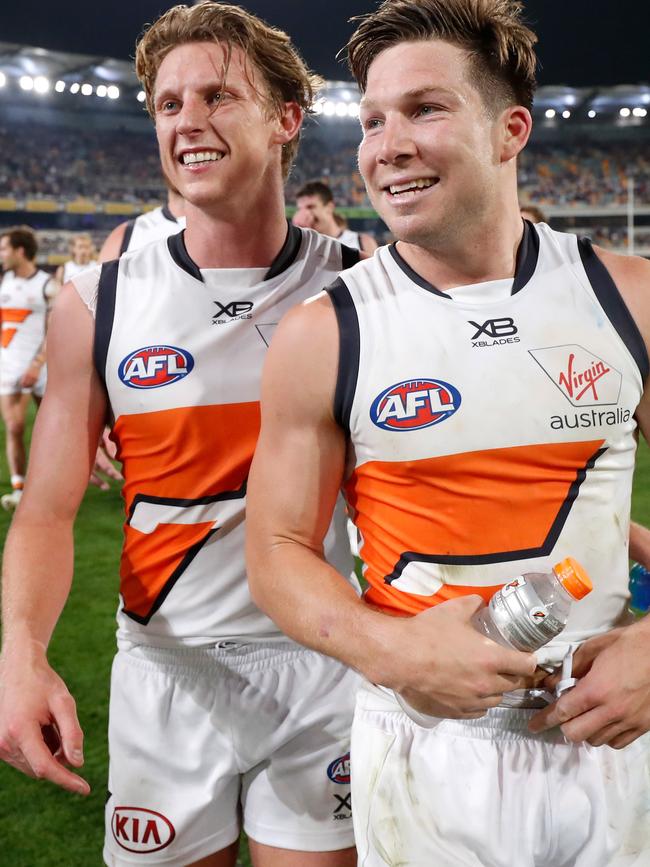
(487, 793)
(11, 374)
(203, 738)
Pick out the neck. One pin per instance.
(482, 252)
(251, 238)
(25, 269)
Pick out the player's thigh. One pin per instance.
(13, 407)
(296, 796)
(226, 858)
(173, 780)
(270, 856)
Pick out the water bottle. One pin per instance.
(531, 609)
(639, 590)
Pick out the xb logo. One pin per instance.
(495, 328)
(233, 310)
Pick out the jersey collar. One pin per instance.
(167, 214)
(285, 258)
(527, 255)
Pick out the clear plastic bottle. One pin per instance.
(532, 609)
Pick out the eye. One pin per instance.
(372, 123)
(168, 105)
(216, 97)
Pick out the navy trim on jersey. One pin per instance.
(413, 275)
(288, 253)
(349, 352)
(527, 256)
(167, 214)
(610, 299)
(126, 240)
(106, 294)
(349, 256)
(178, 250)
(544, 550)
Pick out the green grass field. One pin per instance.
(39, 825)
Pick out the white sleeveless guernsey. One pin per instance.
(350, 239)
(182, 365)
(491, 427)
(152, 226)
(23, 303)
(73, 269)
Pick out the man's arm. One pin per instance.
(437, 660)
(611, 703)
(640, 544)
(33, 370)
(112, 246)
(39, 730)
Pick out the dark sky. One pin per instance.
(582, 42)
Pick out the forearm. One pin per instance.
(640, 544)
(37, 574)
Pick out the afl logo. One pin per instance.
(339, 770)
(415, 404)
(155, 366)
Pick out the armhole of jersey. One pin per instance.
(606, 291)
(349, 257)
(349, 348)
(106, 292)
(126, 240)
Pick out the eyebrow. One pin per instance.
(415, 93)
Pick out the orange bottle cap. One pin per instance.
(573, 577)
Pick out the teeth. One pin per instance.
(201, 157)
(419, 184)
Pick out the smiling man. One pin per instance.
(215, 716)
(477, 389)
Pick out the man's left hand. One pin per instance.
(610, 705)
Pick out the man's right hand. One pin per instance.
(445, 668)
(39, 730)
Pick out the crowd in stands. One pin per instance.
(48, 161)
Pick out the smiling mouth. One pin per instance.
(409, 189)
(194, 157)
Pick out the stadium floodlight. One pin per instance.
(113, 92)
(341, 109)
(3, 79)
(86, 89)
(353, 109)
(639, 112)
(26, 82)
(329, 108)
(566, 114)
(74, 87)
(41, 84)
(101, 90)
(625, 112)
(141, 96)
(550, 113)
(59, 86)
(591, 113)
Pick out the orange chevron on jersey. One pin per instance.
(178, 493)
(461, 509)
(13, 315)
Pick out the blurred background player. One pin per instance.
(83, 255)
(25, 296)
(161, 222)
(316, 210)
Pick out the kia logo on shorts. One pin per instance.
(155, 366)
(339, 770)
(138, 830)
(415, 404)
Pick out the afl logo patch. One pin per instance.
(339, 770)
(415, 404)
(155, 366)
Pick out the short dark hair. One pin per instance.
(22, 236)
(501, 47)
(316, 188)
(536, 213)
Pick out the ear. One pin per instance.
(516, 125)
(289, 122)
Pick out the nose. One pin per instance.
(397, 143)
(192, 117)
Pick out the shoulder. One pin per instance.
(631, 274)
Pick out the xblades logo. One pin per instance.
(233, 310)
(500, 331)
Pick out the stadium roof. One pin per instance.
(31, 71)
